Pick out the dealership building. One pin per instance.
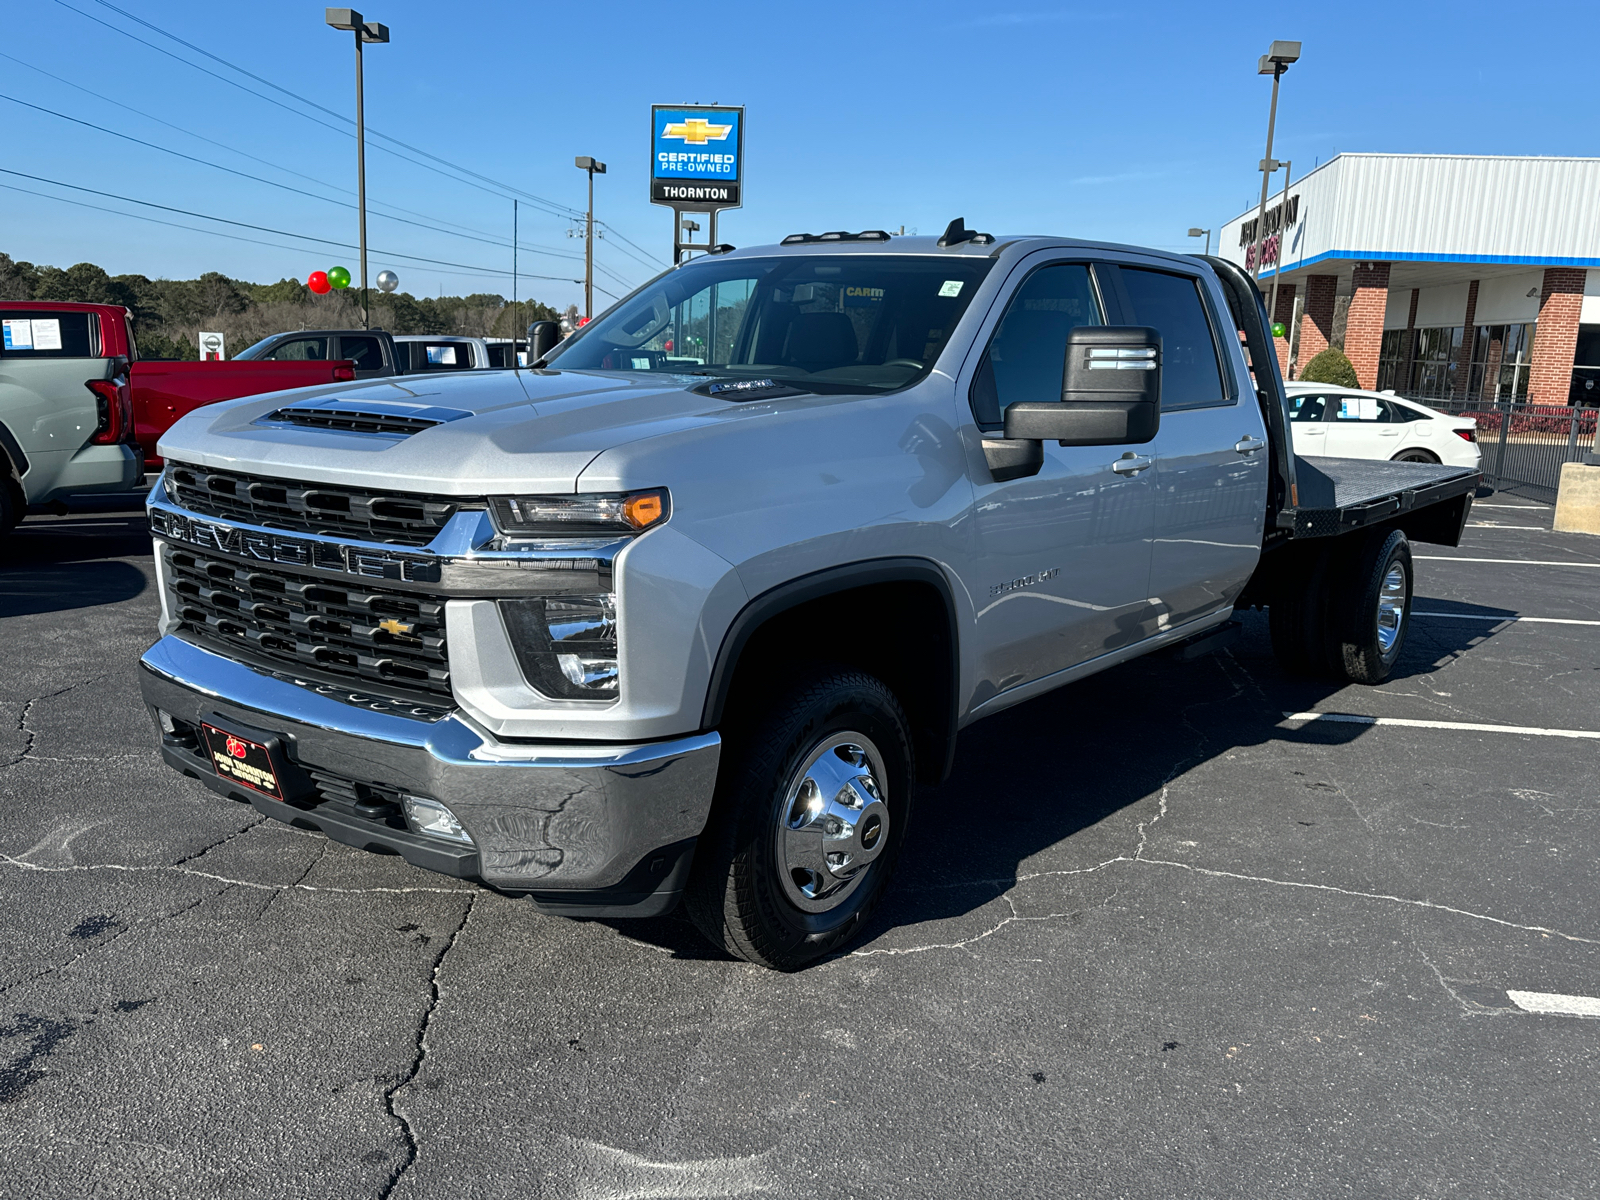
(1459, 277)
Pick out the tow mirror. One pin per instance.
(1110, 391)
(542, 338)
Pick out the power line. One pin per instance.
(278, 103)
(551, 253)
(235, 150)
(565, 210)
(305, 237)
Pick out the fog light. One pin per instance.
(165, 718)
(595, 674)
(434, 819)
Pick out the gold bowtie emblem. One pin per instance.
(697, 131)
(390, 625)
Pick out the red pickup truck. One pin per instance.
(81, 413)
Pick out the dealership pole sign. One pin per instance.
(696, 163)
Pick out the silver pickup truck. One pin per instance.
(686, 611)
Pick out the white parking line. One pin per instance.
(1556, 1004)
(1497, 525)
(1489, 617)
(1466, 726)
(1521, 507)
(1514, 562)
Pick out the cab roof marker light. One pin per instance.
(838, 235)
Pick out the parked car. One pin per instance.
(66, 406)
(370, 352)
(616, 633)
(1339, 422)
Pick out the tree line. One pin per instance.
(169, 314)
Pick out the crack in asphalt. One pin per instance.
(420, 1052)
(272, 899)
(1470, 1008)
(95, 948)
(222, 841)
(7, 860)
(29, 736)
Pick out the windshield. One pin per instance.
(826, 324)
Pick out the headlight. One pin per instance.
(566, 645)
(593, 513)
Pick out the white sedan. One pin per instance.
(1339, 422)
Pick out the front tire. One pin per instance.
(809, 817)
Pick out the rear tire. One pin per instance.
(1421, 456)
(1376, 602)
(809, 817)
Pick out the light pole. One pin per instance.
(1198, 232)
(1277, 262)
(1274, 62)
(350, 19)
(584, 163)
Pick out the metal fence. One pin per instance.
(1525, 445)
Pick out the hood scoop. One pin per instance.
(381, 418)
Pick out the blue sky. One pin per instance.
(1123, 122)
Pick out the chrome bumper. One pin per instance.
(585, 828)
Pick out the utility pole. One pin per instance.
(514, 281)
(1274, 62)
(1277, 266)
(585, 163)
(350, 19)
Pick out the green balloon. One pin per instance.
(1279, 329)
(339, 277)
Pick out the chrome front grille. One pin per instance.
(322, 509)
(390, 642)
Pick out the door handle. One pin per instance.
(1388, 433)
(1248, 444)
(1130, 464)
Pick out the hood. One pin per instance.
(531, 431)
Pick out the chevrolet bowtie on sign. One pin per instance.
(696, 156)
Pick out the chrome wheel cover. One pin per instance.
(1391, 608)
(833, 823)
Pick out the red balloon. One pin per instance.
(317, 281)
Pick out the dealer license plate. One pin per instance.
(242, 761)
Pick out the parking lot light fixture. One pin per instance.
(584, 163)
(351, 21)
(1207, 233)
(1274, 62)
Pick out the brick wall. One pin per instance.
(1316, 320)
(1363, 332)
(1284, 313)
(1555, 341)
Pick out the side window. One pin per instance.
(1398, 413)
(299, 350)
(1359, 408)
(48, 335)
(1190, 376)
(364, 352)
(1028, 352)
(1307, 408)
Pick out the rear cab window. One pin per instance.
(43, 334)
(1173, 304)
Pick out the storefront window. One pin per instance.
(1501, 357)
(1392, 361)
(1433, 362)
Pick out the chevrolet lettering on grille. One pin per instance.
(293, 551)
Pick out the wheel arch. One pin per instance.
(917, 653)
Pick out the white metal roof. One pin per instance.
(1439, 209)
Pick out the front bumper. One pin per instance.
(593, 829)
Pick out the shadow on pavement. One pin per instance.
(55, 564)
(1034, 776)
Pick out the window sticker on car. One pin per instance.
(1358, 408)
(951, 287)
(442, 355)
(46, 334)
(17, 335)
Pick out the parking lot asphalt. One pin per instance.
(1154, 938)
